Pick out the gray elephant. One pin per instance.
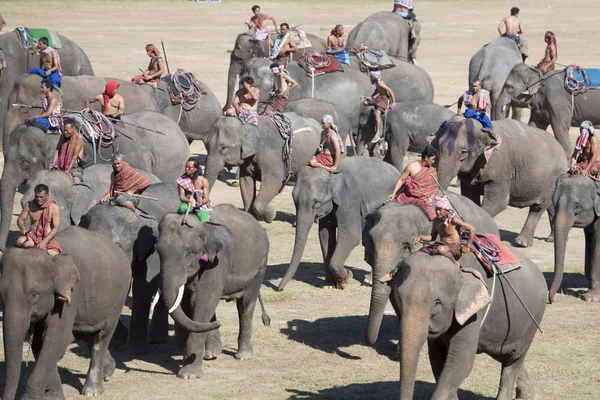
(576, 204)
(491, 65)
(516, 165)
(76, 90)
(246, 48)
(550, 102)
(78, 295)
(236, 248)
(340, 203)
(14, 61)
(262, 155)
(31, 150)
(138, 237)
(388, 32)
(407, 128)
(445, 305)
(388, 238)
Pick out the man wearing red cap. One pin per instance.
(113, 104)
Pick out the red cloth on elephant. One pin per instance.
(324, 159)
(420, 191)
(66, 153)
(40, 231)
(128, 179)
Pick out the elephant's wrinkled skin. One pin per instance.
(66, 297)
(138, 237)
(388, 238)
(550, 102)
(237, 247)
(491, 65)
(13, 63)
(407, 128)
(576, 204)
(445, 305)
(259, 154)
(516, 165)
(340, 203)
(388, 32)
(31, 150)
(246, 48)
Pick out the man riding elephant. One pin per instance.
(44, 218)
(585, 159)
(283, 47)
(477, 101)
(258, 23)
(155, 70)
(50, 67)
(49, 119)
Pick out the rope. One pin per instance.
(317, 60)
(284, 126)
(189, 91)
(96, 129)
(577, 80)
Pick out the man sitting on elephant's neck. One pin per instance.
(331, 148)
(336, 44)
(50, 118)
(50, 67)
(245, 102)
(404, 8)
(546, 64)
(113, 104)
(155, 70)
(44, 221)
(283, 47)
(421, 183)
(125, 183)
(258, 22)
(477, 101)
(69, 152)
(585, 160)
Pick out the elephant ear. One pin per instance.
(492, 142)
(66, 275)
(339, 188)
(597, 200)
(533, 82)
(472, 297)
(217, 237)
(84, 200)
(252, 141)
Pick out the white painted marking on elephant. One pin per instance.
(155, 300)
(177, 300)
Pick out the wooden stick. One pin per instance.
(186, 213)
(138, 195)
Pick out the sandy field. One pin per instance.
(314, 348)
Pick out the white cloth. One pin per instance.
(406, 3)
(278, 45)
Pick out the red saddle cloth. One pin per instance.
(332, 66)
(489, 250)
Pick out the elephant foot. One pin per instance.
(344, 283)
(550, 238)
(591, 296)
(109, 367)
(212, 354)
(523, 241)
(244, 355)
(190, 371)
(92, 389)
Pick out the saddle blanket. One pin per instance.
(593, 74)
(489, 249)
(187, 82)
(30, 36)
(373, 59)
(333, 66)
(299, 37)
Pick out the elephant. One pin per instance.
(550, 102)
(31, 150)
(388, 239)
(14, 61)
(407, 128)
(491, 65)
(75, 199)
(137, 237)
(576, 203)
(445, 305)
(246, 48)
(389, 32)
(236, 248)
(75, 295)
(260, 152)
(340, 203)
(515, 165)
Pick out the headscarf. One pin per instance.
(109, 92)
(334, 30)
(328, 119)
(152, 49)
(443, 203)
(586, 129)
(375, 76)
(406, 3)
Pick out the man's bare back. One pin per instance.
(512, 25)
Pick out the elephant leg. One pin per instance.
(327, 239)
(142, 292)
(245, 307)
(550, 211)
(270, 186)
(102, 365)
(109, 366)
(496, 196)
(560, 126)
(517, 113)
(213, 347)
(593, 267)
(525, 238)
(247, 189)
(438, 352)
(159, 325)
(349, 235)
(54, 386)
(525, 385)
(510, 372)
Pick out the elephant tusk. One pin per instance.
(155, 300)
(525, 92)
(177, 300)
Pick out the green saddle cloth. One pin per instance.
(30, 36)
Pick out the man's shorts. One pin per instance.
(122, 198)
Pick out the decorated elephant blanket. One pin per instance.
(373, 59)
(319, 63)
(183, 87)
(490, 250)
(30, 36)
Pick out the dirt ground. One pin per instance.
(314, 347)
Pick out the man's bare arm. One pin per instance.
(500, 25)
(121, 106)
(21, 219)
(520, 27)
(93, 100)
(78, 148)
(161, 69)
(337, 151)
(54, 56)
(292, 45)
(594, 143)
(389, 91)
(470, 228)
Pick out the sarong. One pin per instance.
(342, 56)
(545, 66)
(324, 159)
(479, 116)
(581, 165)
(248, 116)
(66, 154)
(380, 102)
(453, 248)
(260, 34)
(279, 103)
(420, 191)
(55, 76)
(38, 234)
(128, 179)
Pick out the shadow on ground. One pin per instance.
(573, 283)
(376, 390)
(310, 273)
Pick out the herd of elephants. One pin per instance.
(107, 248)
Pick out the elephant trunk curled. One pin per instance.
(563, 222)
(304, 222)
(13, 328)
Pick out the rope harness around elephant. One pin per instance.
(96, 129)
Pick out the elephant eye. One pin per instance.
(436, 308)
(577, 208)
(24, 164)
(223, 149)
(34, 297)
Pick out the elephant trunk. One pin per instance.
(235, 70)
(13, 328)
(447, 169)
(11, 178)
(379, 297)
(214, 162)
(304, 222)
(172, 293)
(413, 334)
(563, 222)
(502, 106)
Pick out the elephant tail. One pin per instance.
(266, 320)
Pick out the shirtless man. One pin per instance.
(69, 152)
(331, 148)
(513, 30)
(44, 221)
(546, 64)
(50, 116)
(258, 23)
(113, 104)
(382, 99)
(279, 98)
(585, 160)
(477, 101)
(245, 102)
(336, 44)
(445, 225)
(283, 47)
(2, 23)
(49, 63)
(155, 70)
